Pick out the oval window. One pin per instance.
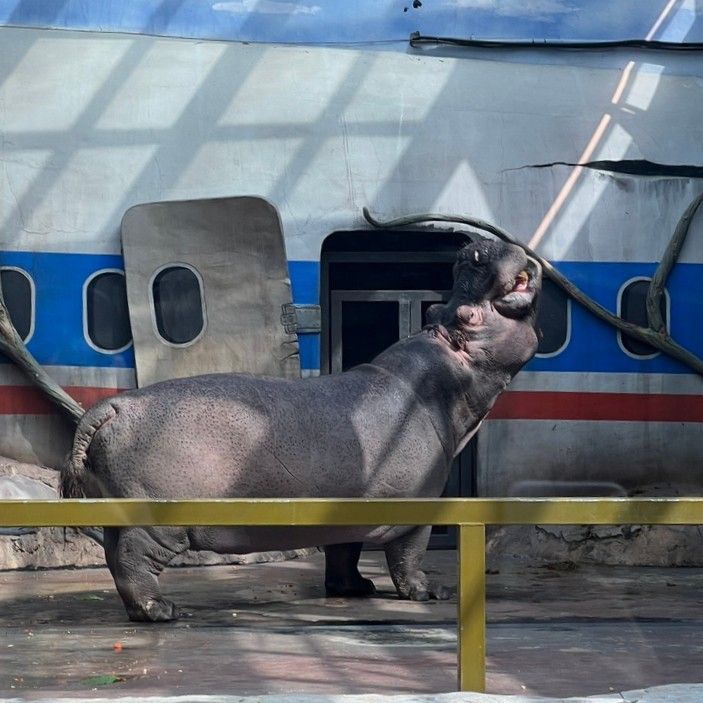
(18, 293)
(632, 307)
(177, 297)
(554, 319)
(106, 313)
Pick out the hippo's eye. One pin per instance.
(521, 281)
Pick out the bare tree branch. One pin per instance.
(12, 345)
(659, 340)
(671, 254)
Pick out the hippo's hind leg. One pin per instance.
(136, 556)
(342, 577)
(404, 556)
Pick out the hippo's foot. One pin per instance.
(342, 577)
(404, 557)
(154, 610)
(135, 559)
(420, 589)
(359, 589)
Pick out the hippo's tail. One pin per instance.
(75, 473)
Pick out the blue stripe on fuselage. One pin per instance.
(58, 330)
(58, 336)
(594, 344)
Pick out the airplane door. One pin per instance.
(206, 283)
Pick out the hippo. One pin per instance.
(386, 429)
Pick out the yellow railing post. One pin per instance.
(471, 607)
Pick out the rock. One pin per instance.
(28, 548)
(18, 480)
(17, 486)
(21, 487)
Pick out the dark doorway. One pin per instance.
(376, 288)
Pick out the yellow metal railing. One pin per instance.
(470, 515)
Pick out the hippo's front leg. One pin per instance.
(342, 577)
(404, 556)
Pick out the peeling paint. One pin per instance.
(634, 167)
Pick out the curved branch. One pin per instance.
(12, 345)
(661, 342)
(671, 254)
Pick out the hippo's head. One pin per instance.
(491, 315)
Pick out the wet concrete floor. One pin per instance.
(269, 628)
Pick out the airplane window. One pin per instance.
(178, 307)
(554, 319)
(18, 294)
(632, 306)
(106, 316)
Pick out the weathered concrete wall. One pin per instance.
(637, 545)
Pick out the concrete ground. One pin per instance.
(268, 629)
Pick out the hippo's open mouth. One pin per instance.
(520, 296)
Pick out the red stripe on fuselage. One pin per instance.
(28, 400)
(629, 407)
(513, 405)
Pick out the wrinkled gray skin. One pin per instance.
(390, 428)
